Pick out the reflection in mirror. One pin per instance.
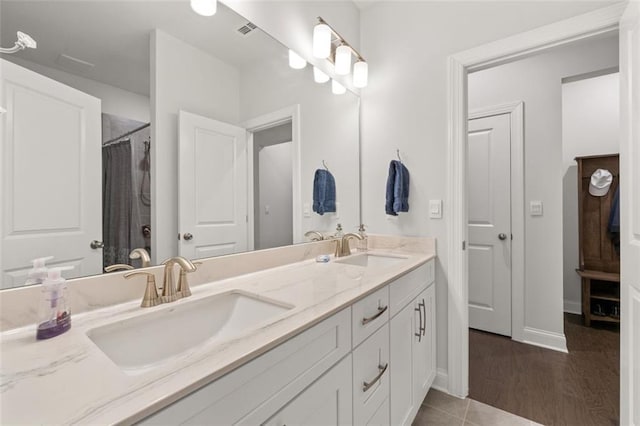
(132, 123)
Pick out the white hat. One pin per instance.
(600, 182)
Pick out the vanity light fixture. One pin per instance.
(319, 76)
(337, 88)
(204, 7)
(340, 53)
(296, 61)
(322, 40)
(360, 74)
(24, 41)
(343, 60)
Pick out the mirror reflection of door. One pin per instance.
(50, 175)
(273, 187)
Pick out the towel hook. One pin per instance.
(325, 165)
(398, 154)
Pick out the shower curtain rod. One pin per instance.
(126, 134)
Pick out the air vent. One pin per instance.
(247, 28)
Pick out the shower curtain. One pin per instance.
(117, 202)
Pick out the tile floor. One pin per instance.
(439, 408)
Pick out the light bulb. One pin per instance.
(204, 7)
(360, 74)
(343, 60)
(321, 41)
(296, 61)
(337, 88)
(319, 76)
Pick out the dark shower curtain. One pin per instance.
(117, 208)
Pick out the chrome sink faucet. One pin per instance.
(169, 291)
(342, 244)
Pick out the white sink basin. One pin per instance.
(138, 344)
(369, 259)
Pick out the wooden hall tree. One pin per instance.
(599, 257)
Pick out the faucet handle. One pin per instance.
(150, 297)
(183, 284)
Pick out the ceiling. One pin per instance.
(114, 36)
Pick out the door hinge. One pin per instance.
(246, 218)
(464, 245)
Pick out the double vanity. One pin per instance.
(350, 341)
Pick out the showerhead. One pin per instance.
(24, 41)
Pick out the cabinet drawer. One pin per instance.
(406, 288)
(370, 375)
(253, 392)
(369, 314)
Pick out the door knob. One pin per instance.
(188, 236)
(95, 244)
(502, 236)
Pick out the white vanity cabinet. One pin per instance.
(370, 364)
(412, 343)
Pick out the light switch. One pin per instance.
(435, 209)
(535, 208)
(306, 210)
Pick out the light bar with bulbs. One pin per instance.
(324, 38)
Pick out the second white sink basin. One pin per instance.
(138, 344)
(370, 259)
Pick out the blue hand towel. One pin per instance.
(397, 197)
(324, 192)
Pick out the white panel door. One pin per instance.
(490, 224)
(630, 215)
(212, 185)
(51, 172)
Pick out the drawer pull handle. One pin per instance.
(423, 316)
(366, 386)
(381, 311)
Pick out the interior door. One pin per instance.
(489, 177)
(212, 184)
(630, 215)
(54, 130)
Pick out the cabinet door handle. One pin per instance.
(419, 333)
(424, 317)
(366, 386)
(381, 310)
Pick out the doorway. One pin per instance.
(273, 187)
(621, 18)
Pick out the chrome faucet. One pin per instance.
(169, 292)
(142, 254)
(314, 235)
(342, 244)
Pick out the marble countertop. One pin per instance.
(68, 379)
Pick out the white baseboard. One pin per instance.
(545, 339)
(441, 382)
(572, 307)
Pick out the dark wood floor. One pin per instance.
(550, 387)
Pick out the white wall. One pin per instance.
(182, 78)
(590, 126)
(275, 215)
(405, 105)
(115, 101)
(328, 131)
